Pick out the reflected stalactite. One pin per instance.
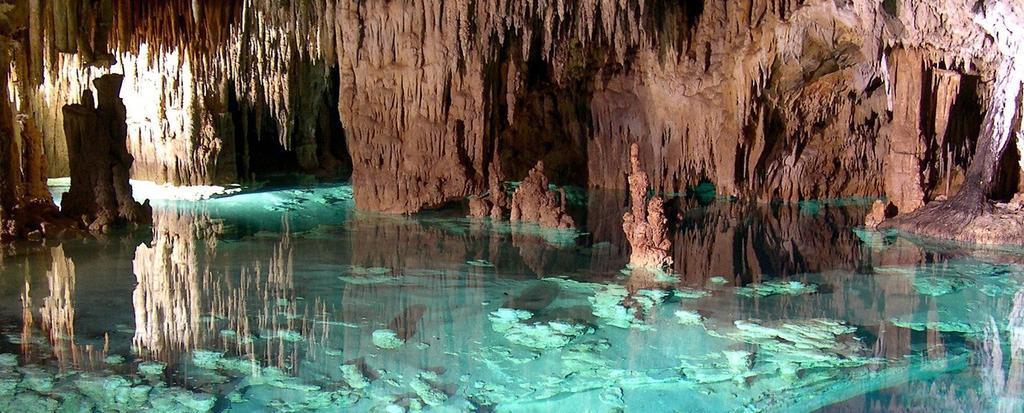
(28, 320)
(57, 317)
(58, 311)
(171, 279)
(412, 247)
(280, 315)
(181, 304)
(1005, 384)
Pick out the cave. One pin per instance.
(515, 205)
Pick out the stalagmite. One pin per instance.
(100, 193)
(645, 224)
(534, 202)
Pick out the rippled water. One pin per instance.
(292, 301)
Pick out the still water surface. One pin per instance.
(290, 300)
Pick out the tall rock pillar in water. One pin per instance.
(645, 222)
(99, 160)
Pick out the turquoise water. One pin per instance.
(291, 300)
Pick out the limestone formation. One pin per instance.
(534, 202)
(26, 208)
(880, 211)
(479, 207)
(100, 193)
(645, 224)
(767, 99)
(495, 204)
(499, 199)
(969, 215)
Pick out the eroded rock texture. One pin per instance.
(495, 202)
(968, 215)
(99, 160)
(766, 99)
(534, 202)
(25, 204)
(645, 224)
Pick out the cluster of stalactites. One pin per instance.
(25, 203)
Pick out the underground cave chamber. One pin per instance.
(514, 206)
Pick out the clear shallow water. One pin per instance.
(291, 301)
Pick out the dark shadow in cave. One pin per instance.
(551, 121)
(261, 158)
(1008, 179)
(952, 153)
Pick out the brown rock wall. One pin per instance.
(767, 99)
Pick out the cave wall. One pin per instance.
(767, 99)
(206, 90)
(772, 100)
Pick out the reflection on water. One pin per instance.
(292, 301)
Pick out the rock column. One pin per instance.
(99, 160)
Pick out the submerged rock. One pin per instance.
(151, 368)
(719, 280)
(170, 399)
(353, 376)
(690, 293)
(480, 263)
(776, 288)
(387, 339)
(114, 393)
(542, 336)
(689, 318)
(425, 388)
(609, 304)
(963, 327)
(783, 350)
(937, 286)
(535, 298)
